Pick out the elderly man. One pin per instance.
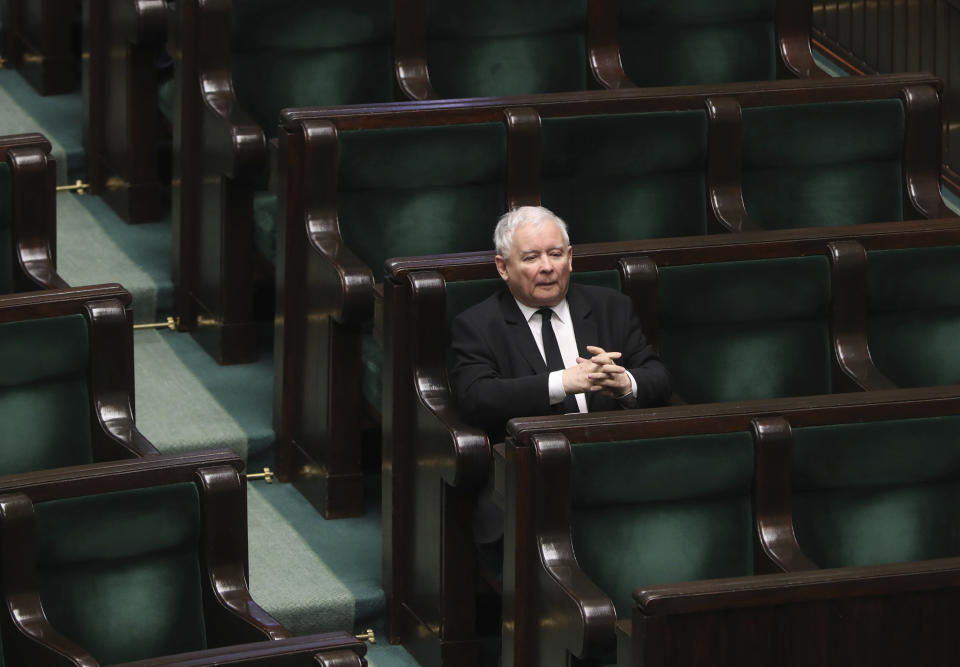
(545, 346)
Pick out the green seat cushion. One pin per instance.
(662, 510)
(506, 47)
(836, 163)
(689, 42)
(120, 572)
(877, 492)
(913, 298)
(420, 190)
(295, 53)
(44, 398)
(7, 258)
(265, 225)
(732, 331)
(626, 176)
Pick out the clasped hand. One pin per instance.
(598, 373)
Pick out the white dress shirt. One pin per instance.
(567, 341)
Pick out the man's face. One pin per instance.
(538, 268)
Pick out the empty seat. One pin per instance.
(66, 384)
(149, 561)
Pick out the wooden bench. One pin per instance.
(28, 232)
(660, 501)
(346, 208)
(434, 464)
(123, 128)
(142, 561)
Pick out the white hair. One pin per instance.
(525, 215)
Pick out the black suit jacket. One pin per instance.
(497, 372)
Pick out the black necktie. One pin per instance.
(551, 350)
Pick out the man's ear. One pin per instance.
(570, 257)
(501, 266)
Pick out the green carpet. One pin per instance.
(287, 578)
(87, 255)
(174, 410)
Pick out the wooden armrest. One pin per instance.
(724, 165)
(145, 21)
(922, 151)
(337, 649)
(347, 281)
(793, 39)
(582, 615)
(603, 44)
(443, 435)
(410, 50)
(235, 145)
(499, 474)
(344, 282)
(848, 312)
(40, 642)
(776, 547)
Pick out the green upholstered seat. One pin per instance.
(913, 301)
(662, 510)
(120, 572)
(295, 53)
(877, 492)
(506, 47)
(626, 176)
(44, 397)
(687, 42)
(836, 163)
(6, 231)
(732, 331)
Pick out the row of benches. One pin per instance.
(739, 319)
(646, 537)
(109, 551)
(362, 184)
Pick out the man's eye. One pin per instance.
(529, 258)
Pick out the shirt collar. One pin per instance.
(561, 311)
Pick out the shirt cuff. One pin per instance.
(555, 387)
(629, 400)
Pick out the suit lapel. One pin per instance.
(519, 333)
(584, 326)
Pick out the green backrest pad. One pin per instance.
(6, 230)
(662, 510)
(506, 47)
(626, 176)
(687, 42)
(44, 398)
(732, 331)
(295, 53)
(120, 572)
(836, 163)
(913, 298)
(420, 190)
(877, 492)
